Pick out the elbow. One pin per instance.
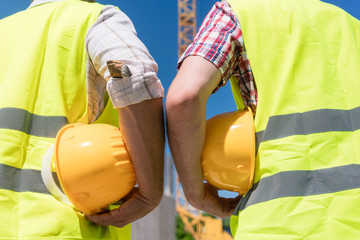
(181, 99)
(156, 200)
(195, 198)
(153, 197)
(153, 201)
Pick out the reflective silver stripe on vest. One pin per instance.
(305, 183)
(317, 121)
(21, 180)
(302, 183)
(32, 124)
(26, 180)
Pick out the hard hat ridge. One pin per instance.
(93, 165)
(228, 157)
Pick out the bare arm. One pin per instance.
(185, 111)
(142, 127)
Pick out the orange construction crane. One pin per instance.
(186, 24)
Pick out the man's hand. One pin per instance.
(212, 203)
(142, 127)
(135, 206)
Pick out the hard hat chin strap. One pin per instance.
(49, 180)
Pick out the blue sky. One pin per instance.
(156, 25)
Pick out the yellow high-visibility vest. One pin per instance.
(42, 88)
(305, 57)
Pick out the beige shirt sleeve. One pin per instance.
(113, 38)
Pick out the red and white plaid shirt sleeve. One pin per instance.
(219, 40)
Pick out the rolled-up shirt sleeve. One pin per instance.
(113, 38)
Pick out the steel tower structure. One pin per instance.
(186, 24)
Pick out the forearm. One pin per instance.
(186, 112)
(186, 132)
(142, 127)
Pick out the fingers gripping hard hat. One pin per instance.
(228, 157)
(92, 165)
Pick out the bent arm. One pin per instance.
(186, 123)
(129, 71)
(142, 128)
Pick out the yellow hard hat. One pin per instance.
(92, 165)
(228, 157)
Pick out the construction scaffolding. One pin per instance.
(186, 24)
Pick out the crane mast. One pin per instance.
(186, 24)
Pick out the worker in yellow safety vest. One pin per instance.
(297, 65)
(66, 62)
